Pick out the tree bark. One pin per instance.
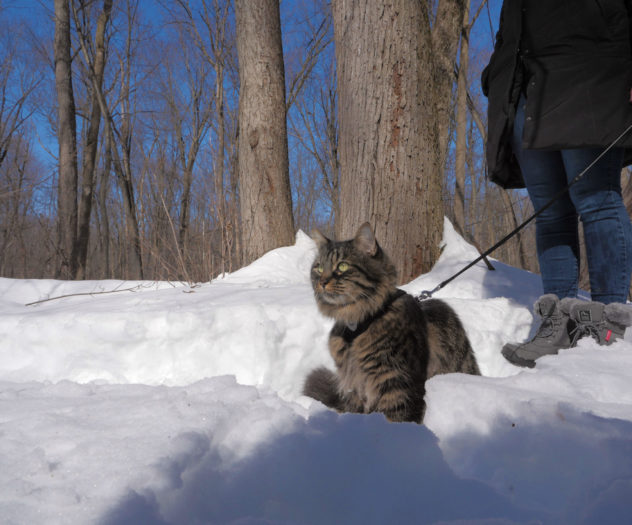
(105, 219)
(446, 33)
(264, 182)
(92, 141)
(218, 168)
(67, 139)
(460, 148)
(122, 164)
(216, 52)
(388, 144)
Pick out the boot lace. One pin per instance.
(547, 328)
(584, 330)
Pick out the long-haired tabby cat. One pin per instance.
(385, 343)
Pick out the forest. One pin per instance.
(182, 139)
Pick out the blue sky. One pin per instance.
(37, 14)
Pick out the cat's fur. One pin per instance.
(385, 343)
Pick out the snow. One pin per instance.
(163, 403)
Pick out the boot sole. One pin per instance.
(510, 355)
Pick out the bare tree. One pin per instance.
(104, 223)
(119, 135)
(17, 187)
(217, 28)
(195, 114)
(264, 184)
(319, 39)
(316, 128)
(518, 254)
(461, 116)
(312, 115)
(446, 33)
(209, 30)
(17, 84)
(390, 90)
(145, 172)
(97, 57)
(67, 139)
(13, 113)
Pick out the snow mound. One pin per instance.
(283, 266)
(163, 403)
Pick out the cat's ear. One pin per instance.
(319, 238)
(364, 240)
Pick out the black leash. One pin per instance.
(426, 294)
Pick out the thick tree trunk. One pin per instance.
(67, 138)
(264, 183)
(389, 148)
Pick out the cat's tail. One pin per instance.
(322, 385)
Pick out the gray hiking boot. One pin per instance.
(552, 335)
(605, 323)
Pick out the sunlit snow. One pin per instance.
(163, 403)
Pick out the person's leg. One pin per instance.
(607, 229)
(557, 240)
(557, 245)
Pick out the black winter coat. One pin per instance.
(573, 59)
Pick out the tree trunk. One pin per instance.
(67, 138)
(520, 260)
(509, 210)
(218, 170)
(446, 33)
(264, 182)
(105, 219)
(199, 108)
(123, 168)
(122, 163)
(388, 144)
(92, 141)
(461, 125)
(216, 52)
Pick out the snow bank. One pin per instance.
(163, 403)
(259, 324)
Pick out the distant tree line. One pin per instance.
(182, 139)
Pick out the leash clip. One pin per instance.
(427, 294)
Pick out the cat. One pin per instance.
(385, 343)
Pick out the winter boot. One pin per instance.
(552, 335)
(605, 323)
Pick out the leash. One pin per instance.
(427, 294)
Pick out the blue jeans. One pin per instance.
(596, 199)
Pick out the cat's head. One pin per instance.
(351, 279)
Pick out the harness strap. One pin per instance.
(351, 332)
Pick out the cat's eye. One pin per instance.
(342, 267)
(319, 268)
